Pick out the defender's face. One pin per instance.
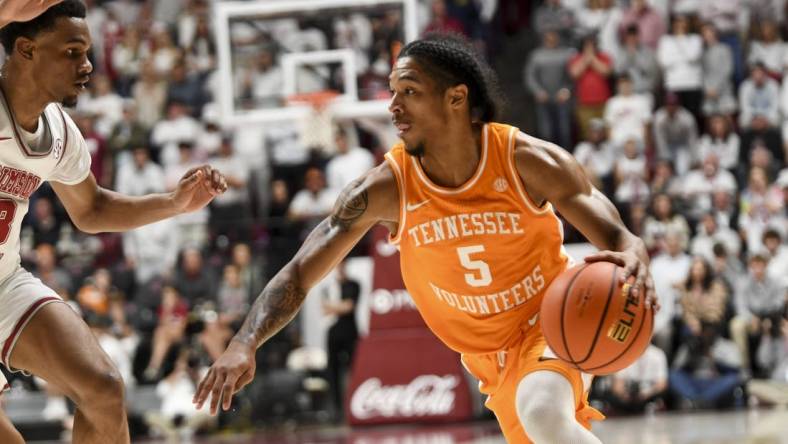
(416, 107)
(60, 59)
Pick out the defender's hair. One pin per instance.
(42, 23)
(450, 60)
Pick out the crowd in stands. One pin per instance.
(678, 110)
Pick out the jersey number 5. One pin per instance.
(7, 213)
(481, 276)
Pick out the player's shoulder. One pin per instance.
(536, 154)
(378, 190)
(60, 117)
(547, 170)
(381, 181)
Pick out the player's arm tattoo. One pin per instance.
(350, 206)
(285, 293)
(274, 308)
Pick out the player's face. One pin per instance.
(60, 56)
(416, 107)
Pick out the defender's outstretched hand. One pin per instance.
(23, 10)
(230, 373)
(198, 187)
(633, 267)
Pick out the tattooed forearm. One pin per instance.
(350, 206)
(274, 308)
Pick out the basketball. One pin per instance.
(590, 319)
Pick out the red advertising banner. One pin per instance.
(406, 376)
(401, 371)
(389, 304)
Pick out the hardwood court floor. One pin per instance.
(735, 427)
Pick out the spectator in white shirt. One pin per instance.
(263, 81)
(289, 155)
(643, 383)
(768, 48)
(230, 214)
(664, 218)
(164, 53)
(760, 206)
(178, 418)
(601, 17)
(127, 56)
(710, 233)
(313, 203)
(191, 227)
(140, 177)
(778, 256)
(150, 94)
(105, 103)
(152, 250)
(680, 55)
(597, 156)
(626, 113)
(178, 127)
(722, 141)
(700, 184)
(348, 163)
(631, 173)
(669, 270)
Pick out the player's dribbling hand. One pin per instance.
(634, 268)
(198, 187)
(230, 373)
(23, 10)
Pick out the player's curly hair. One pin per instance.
(44, 22)
(450, 60)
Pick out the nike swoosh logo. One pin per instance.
(532, 321)
(413, 207)
(4, 138)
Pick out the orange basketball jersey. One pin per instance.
(477, 258)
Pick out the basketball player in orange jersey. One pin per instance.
(46, 66)
(469, 203)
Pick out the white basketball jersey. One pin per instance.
(22, 170)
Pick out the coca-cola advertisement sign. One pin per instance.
(406, 375)
(426, 395)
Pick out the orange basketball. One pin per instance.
(591, 321)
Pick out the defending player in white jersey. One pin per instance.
(47, 65)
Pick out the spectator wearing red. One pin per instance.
(172, 319)
(648, 21)
(590, 69)
(442, 21)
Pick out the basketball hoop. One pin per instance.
(318, 100)
(317, 127)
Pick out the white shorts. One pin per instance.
(21, 296)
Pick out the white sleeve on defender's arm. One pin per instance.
(74, 167)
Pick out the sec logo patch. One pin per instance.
(501, 184)
(58, 151)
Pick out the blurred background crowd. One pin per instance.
(677, 109)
